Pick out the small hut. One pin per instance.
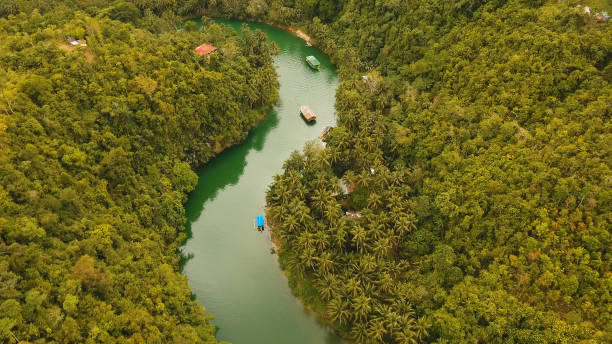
(76, 42)
(352, 215)
(205, 49)
(346, 189)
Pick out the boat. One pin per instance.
(325, 133)
(313, 62)
(260, 223)
(307, 113)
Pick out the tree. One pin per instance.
(359, 238)
(184, 179)
(339, 311)
(124, 11)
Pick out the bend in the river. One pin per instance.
(230, 267)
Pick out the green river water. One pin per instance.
(230, 268)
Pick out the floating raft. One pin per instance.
(307, 113)
(313, 62)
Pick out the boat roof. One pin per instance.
(312, 60)
(307, 112)
(305, 108)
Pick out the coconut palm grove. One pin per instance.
(464, 194)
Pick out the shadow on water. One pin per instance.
(223, 170)
(228, 266)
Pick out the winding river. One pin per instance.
(230, 267)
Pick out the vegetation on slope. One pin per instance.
(479, 148)
(96, 145)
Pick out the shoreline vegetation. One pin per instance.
(415, 240)
(474, 134)
(301, 286)
(97, 148)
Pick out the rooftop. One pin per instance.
(205, 49)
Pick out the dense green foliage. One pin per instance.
(96, 144)
(479, 146)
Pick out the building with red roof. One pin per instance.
(205, 49)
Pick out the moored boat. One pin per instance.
(307, 113)
(313, 62)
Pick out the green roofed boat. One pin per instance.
(313, 62)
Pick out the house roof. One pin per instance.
(205, 49)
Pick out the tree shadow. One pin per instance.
(222, 171)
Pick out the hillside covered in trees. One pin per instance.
(474, 144)
(97, 145)
(476, 150)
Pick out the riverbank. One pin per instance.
(301, 286)
(260, 114)
(230, 268)
(299, 33)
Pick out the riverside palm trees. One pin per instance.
(351, 261)
(359, 238)
(339, 311)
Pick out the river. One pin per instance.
(230, 267)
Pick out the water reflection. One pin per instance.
(226, 169)
(228, 262)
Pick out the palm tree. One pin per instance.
(321, 240)
(376, 330)
(308, 258)
(401, 304)
(353, 287)
(326, 263)
(334, 155)
(359, 237)
(359, 332)
(327, 286)
(405, 337)
(396, 209)
(421, 328)
(305, 241)
(294, 265)
(302, 212)
(320, 198)
(382, 247)
(386, 283)
(368, 263)
(362, 306)
(393, 321)
(338, 311)
(377, 230)
(375, 201)
(332, 212)
(340, 238)
(294, 180)
(350, 178)
(290, 224)
(362, 179)
(325, 158)
(405, 225)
